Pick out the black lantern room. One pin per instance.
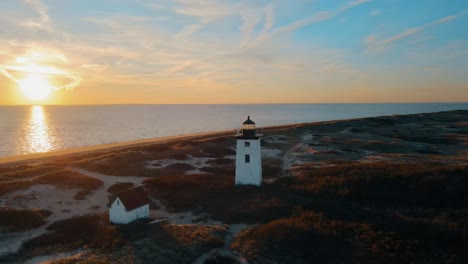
(248, 130)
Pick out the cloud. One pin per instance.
(73, 81)
(218, 59)
(95, 67)
(44, 62)
(43, 21)
(375, 12)
(269, 19)
(375, 45)
(250, 20)
(7, 74)
(314, 18)
(353, 4)
(40, 8)
(206, 11)
(188, 30)
(181, 67)
(317, 17)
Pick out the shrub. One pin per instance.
(89, 230)
(386, 183)
(8, 187)
(218, 259)
(27, 171)
(119, 187)
(22, 219)
(66, 179)
(81, 195)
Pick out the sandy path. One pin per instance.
(231, 233)
(196, 162)
(11, 243)
(47, 258)
(109, 180)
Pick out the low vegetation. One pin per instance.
(360, 212)
(92, 231)
(15, 220)
(26, 171)
(66, 179)
(168, 243)
(8, 187)
(387, 184)
(218, 196)
(119, 187)
(63, 179)
(218, 259)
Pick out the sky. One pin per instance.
(223, 51)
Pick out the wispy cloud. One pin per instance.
(40, 61)
(250, 20)
(220, 67)
(376, 45)
(375, 12)
(269, 19)
(353, 4)
(29, 57)
(188, 30)
(314, 18)
(42, 22)
(206, 11)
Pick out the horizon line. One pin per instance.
(430, 102)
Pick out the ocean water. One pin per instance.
(33, 129)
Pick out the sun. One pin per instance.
(35, 87)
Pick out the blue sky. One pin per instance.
(216, 51)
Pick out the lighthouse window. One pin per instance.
(247, 144)
(247, 158)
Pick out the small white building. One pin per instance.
(128, 206)
(248, 155)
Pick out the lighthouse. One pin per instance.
(248, 155)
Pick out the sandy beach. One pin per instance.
(38, 157)
(113, 146)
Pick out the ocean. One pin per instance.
(34, 129)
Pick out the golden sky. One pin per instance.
(222, 51)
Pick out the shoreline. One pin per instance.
(105, 147)
(9, 160)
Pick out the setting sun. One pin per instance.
(35, 87)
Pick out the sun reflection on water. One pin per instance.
(38, 136)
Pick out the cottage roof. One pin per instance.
(132, 198)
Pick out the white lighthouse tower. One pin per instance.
(248, 155)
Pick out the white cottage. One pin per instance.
(248, 155)
(128, 206)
